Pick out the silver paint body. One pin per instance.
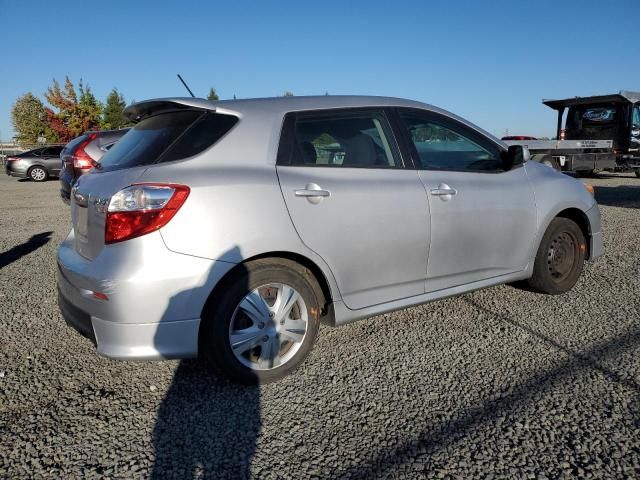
(382, 239)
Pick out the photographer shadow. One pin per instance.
(205, 426)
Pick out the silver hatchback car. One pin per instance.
(230, 230)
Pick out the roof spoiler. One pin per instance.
(137, 111)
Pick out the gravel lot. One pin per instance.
(501, 383)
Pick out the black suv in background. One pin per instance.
(83, 153)
(38, 164)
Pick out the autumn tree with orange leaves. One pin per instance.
(76, 112)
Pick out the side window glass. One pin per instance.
(440, 147)
(51, 151)
(636, 116)
(344, 140)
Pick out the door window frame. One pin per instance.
(449, 123)
(287, 145)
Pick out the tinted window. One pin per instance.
(344, 140)
(592, 116)
(51, 151)
(636, 115)
(34, 153)
(167, 137)
(442, 146)
(208, 130)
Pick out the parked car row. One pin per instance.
(66, 162)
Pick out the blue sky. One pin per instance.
(491, 62)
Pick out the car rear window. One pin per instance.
(167, 137)
(592, 116)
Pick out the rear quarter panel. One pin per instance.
(235, 210)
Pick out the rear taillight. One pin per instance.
(12, 159)
(140, 209)
(81, 159)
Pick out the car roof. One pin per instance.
(279, 106)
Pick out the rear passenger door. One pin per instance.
(51, 159)
(483, 216)
(353, 203)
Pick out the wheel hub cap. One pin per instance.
(268, 326)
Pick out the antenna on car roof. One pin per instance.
(186, 86)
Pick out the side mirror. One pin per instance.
(516, 155)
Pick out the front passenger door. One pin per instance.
(483, 216)
(354, 204)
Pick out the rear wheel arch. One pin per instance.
(293, 260)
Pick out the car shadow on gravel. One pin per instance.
(436, 437)
(206, 427)
(619, 196)
(16, 253)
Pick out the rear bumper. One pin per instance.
(66, 182)
(125, 341)
(153, 307)
(76, 318)
(14, 172)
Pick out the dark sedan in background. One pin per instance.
(38, 165)
(82, 154)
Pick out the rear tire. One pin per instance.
(37, 174)
(637, 172)
(560, 258)
(257, 346)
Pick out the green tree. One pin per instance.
(288, 94)
(213, 95)
(112, 115)
(29, 120)
(89, 108)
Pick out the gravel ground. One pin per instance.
(500, 383)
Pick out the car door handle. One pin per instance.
(312, 190)
(313, 193)
(443, 190)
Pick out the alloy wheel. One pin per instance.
(38, 174)
(268, 326)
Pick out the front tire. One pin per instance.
(37, 174)
(263, 324)
(560, 258)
